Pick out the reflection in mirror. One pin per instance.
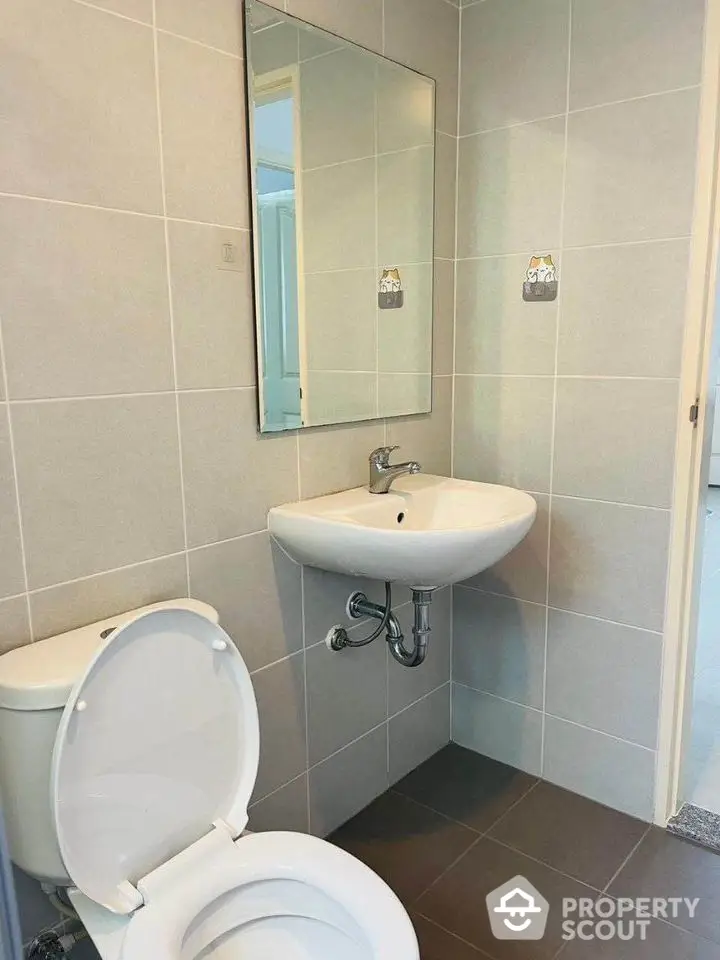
(343, 169)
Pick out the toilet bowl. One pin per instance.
(154, 760)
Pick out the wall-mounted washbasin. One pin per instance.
(426, 532)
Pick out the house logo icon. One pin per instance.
(517, 911)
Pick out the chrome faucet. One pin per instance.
(382, 472)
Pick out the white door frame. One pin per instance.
(693, 445)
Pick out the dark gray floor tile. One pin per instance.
(466, 786)
(406, 844)
(663, 942)
(666, 866)
(457, 900)
(438, 944)
(570, 833)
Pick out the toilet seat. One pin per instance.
(268, 877)
(153, 767)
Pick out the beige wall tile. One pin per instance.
(503, 428)
(405, 115)
(286, 809)
(497, 331)
(630, 788)
(341, 311)
(621, 159)
(137, 9)
(361, 23)
(12, 578)
(202, 103)
(633, 326)
(605, 676)
(99, 484)
(622, 50)
(609, 560)
(215, 22)
(337, 107)
(58, 141)
(405, 207)
(443, 316)
(511, 183)
(14, 624)
(280, 695)
(256, 589)
(499, 646)
(232, 475)
(339, 216)
(423, 34)
(336, 458)
(405, 335)
(337, 397)
(427, 438)
(348, 781)
(532, 37)
(497, 728)
(523, 572)
(406, 686)
(445, 180)
(419, 732)
(401, 394)
(594, 417)
(66, 334)
(213, 315)
(71, 605)
(340, 709)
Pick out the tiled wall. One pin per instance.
(577, 128)
(130, 465)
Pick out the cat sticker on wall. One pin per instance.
(390, 291)
(540, 279)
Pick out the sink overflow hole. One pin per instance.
(400, 517)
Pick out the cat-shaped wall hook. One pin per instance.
(540, 279)
(390, 291)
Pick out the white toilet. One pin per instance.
(127, 762)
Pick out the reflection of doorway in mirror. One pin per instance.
(279, 280)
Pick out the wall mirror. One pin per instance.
(342, 160)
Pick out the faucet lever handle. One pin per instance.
(381, 455)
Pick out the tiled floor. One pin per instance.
(703, 769)
(461, 825)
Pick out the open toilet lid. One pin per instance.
(159, 739)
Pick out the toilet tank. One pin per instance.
(35, 683)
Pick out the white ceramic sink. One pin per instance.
(426, 532)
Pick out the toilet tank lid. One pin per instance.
(40, 676)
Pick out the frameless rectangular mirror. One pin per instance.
(342, 158)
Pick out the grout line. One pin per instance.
(543, 863)
(439, 813)
(512, 807)
(274, 663)
(553, 716)
(626, 861)
(553, 427)
(480, 953)
(450, 866)
(576, 110)
(419, 700)
(580, 246)
(8, 195)
(272, 793)
(378, 726)
(114, 13)
(371, 156)
(168, 270)
(562, 376)
(126, 396)
(201, 43)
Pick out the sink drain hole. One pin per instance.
(400, 517)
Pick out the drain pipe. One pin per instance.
(359, 606)
(421, 631)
